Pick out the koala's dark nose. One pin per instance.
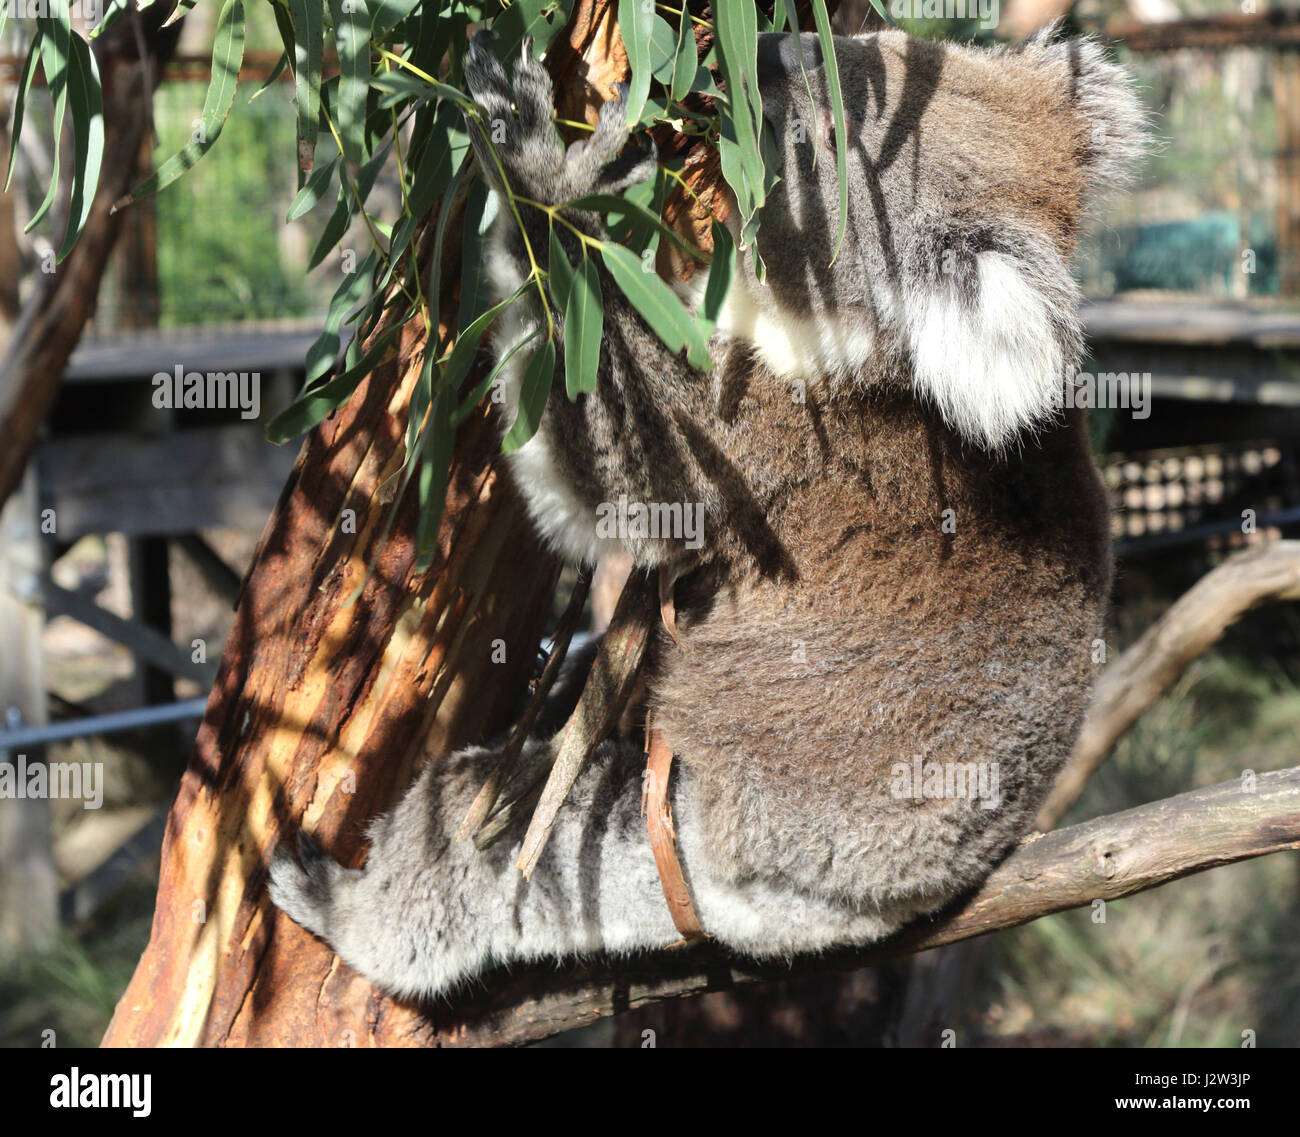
(778, 56)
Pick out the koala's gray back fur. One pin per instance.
(907, 554)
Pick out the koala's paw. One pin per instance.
(518, 121)
(599, 164)
(303, 887)
(525, 143)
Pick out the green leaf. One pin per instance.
(658, 305)
(20, 103)
(55, 49)
(473, 398)
(436, 442)
(540, 19)
(439, 236)
(824, 37)
(273, 78)
(428, 33)
(421, 397)
(628, 225)
(113, 9)
(584, 325)
(178, 13)
(608, 202)
(310, 194)
(721, 271)
(742, 121)
(559, 273)
(308, 48)
(879, 6)
(441, 157)
(686, 64)
(87, 104)
(346, 207)
(636, 22)
(475, 284)
(227, 55)
(352, 36)
(320, 356)
(311, 408)
(462, 355)
(400, 85)
(385, 15)
(533, 393)
(663, 50)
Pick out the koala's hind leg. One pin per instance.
(428, 911)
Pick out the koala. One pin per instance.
(885, 637)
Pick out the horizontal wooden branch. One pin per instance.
(1105, 859)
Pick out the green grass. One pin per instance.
(72, 988)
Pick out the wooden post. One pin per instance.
(1286, 99)
(28, 883)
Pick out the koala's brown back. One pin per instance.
(884, 638)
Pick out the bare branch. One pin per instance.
(1142, 674)
(1106, 859)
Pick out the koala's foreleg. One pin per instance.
(427, 911)
(627, 441)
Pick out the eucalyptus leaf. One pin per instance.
(309, 45)
(311, 408)
(20, 103)
(475, 284)
(55, 49)
(476, 395)
(825, 39)
(603, 202)
(658, 304)
(320, 356)
(227, 56)
(533, 393)
(686, 63)
(584, 326)
(309, 196)
(436, 442)
(636, 22)
(721, 271)
(352, 38)
(86, 102)
(559, 272)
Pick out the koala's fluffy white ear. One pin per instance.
(992, 356)
(993, 342)
(1118, 126)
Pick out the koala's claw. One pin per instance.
(485, 79)
(518, 117)
(302, 886)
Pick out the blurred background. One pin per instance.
(1192, 279)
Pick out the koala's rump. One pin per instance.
(795, 706)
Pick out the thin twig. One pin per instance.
(612, 679)
(487, 797)
(1130, 685)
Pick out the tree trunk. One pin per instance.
(51, 323)
(323, 707)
